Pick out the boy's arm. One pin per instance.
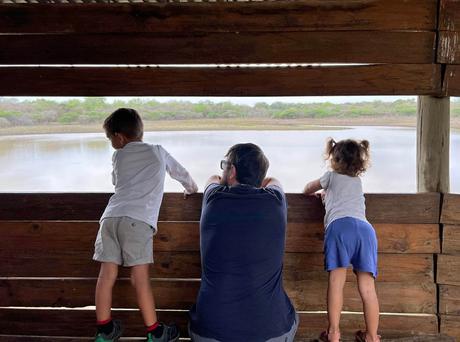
(179, 173)
(312, 187)
(270, 181)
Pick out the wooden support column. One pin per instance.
(433, 134)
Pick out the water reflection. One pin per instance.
(82, 162)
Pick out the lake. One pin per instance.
(82, 162)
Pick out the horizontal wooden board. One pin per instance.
(450, 325)
(218, 48)
(381, 208)
(451, 239)
(448, 269)
(398, 79)
(306, 295)
(304, 15)
(23, 256)
(451, 208)
(449, 47)
(72, 243)
(449, 15)
(449, 300)
(81, 323)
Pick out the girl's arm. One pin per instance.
(312, 187)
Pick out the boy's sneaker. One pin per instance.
(113, 336)
(170, 334)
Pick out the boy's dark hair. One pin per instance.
(250, 163)
(126, 121)
(348, 157)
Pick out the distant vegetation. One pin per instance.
(94, 110)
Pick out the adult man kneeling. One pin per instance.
(242, 229)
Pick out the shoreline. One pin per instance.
(227, 124)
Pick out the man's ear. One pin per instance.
(232, 173)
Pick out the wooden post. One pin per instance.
(433, 134)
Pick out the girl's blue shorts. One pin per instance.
(351, 241)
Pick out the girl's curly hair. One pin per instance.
(348, 157)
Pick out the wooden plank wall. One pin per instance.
(448, 275)
(399, 34)
(47, 244)
(449, 45)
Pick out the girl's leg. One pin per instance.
(337, 279)
(107, 277)
(366, 287)
(140, 279)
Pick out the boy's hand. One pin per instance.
(188, 193)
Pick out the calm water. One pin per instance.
(82, 162)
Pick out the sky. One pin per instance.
(246, 100)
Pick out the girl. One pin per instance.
(349, 238)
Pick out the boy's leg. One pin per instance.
(107, 277)
(366, 287)
(337, 279)
(140, 279)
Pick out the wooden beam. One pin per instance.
(448, 266)
(449, 47)
(449, 300)
(433, 135)
(304, 15)
(450, 209)
(381, 208)
(451, 86)
(218, 48)
(81, 323)
(451, 239)
(181, 294)
(301, 81)
(450, 325)
(449, 15)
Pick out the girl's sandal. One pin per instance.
(360, 336)
(327, 337)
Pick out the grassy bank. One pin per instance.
(228, 124)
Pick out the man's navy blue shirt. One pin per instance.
(242, 233)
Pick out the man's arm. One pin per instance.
(270, 181)
(214, 179)
(312, 187)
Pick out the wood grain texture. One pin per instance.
(451, 239)
(451, 82)
(448, 47)
(381, 208)
(31, 322)
(448, 269)
(217, 48)
(449, 300)
(304, 15)
(65, 261)
(451, 209)
(449, 15)
(308, 295)
(396, 79)
(450, 325)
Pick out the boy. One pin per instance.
(129, 222)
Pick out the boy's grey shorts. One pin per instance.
(124, 241)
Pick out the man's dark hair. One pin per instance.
(250, 163)
(126, 121)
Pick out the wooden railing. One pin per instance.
(48, 278)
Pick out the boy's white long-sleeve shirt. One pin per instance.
(138, 175)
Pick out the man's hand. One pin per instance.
(215, 179)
